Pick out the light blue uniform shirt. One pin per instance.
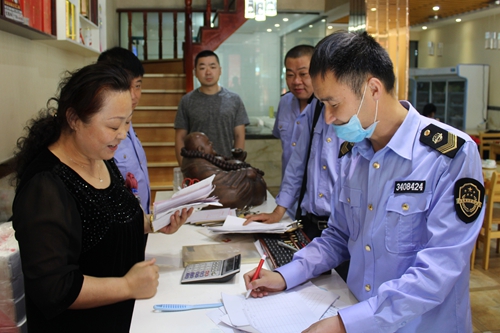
(288, 126)
(410, 253)
(130, 157)
(321, 169)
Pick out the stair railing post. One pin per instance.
(188, 46)
(208, 14)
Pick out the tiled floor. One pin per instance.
(485, 294)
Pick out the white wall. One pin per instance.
(30, 72)
(463, 43)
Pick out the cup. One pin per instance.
(178, 177)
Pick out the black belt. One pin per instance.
(320, 221)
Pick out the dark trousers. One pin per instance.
(313, 226)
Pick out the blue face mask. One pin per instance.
(353, 131)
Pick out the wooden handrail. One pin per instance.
(188, 46)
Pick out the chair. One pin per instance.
(490, 229)
(485, 142)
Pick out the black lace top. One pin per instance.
(66, 228)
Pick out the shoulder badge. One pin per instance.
(345, 147)
(441, 140)
(469, 198)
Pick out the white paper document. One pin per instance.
(234, 224)
(208, 215)
(195, 196)
(286, 312)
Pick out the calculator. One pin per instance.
(212, 271)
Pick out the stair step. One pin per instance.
(162, 164)
(144, 116)
(163, 91)
(155, 134)
(175, 66)
(164, 81)
(161, 187)
(158, 144)
(161, 98)
(155, 75)
(160, 153)
(162, 175)
(156, 108)
(143, 125)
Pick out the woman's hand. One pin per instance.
(176, 221)
(142, 279)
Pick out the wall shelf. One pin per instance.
(90, 31)
(19, 29)
(72, 46)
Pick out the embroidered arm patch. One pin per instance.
(469, 198)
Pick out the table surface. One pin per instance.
(167, 251)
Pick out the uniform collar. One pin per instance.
(402, 141)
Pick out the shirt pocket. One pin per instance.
(283, 129)
(315, 139)
(351, 202)
(405, 223)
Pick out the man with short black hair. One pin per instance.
(211, 109)
(408, 202)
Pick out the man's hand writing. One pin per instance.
(266, 282)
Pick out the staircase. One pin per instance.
(162, 88)
(229, 22)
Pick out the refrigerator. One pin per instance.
(459, 93)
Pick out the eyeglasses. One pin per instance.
(189, 181)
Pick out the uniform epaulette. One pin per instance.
(441, 140)
(345, 147)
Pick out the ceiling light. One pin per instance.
(435, 8)
(323, 20)
(310, 25)
(373, 9)
(277, 25)
(300, 30)
(269, 30)
(458, 20)
(424, 27)
(285, 19)
(330, 27)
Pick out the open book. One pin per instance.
(195, 196)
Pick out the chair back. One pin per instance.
(492, 186)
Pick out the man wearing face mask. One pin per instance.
(408, 202)
(310, 149)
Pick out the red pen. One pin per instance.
(257, 272)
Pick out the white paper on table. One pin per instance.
(285, 312)
(216, 316)
(219, 214)
(276, 313)
(315, 298)
(234, 224)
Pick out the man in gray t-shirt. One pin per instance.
(211, 109)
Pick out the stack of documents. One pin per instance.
(195, 196)
(234, 224)
(285, 312)
(210, 216)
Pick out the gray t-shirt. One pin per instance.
(215, 115)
